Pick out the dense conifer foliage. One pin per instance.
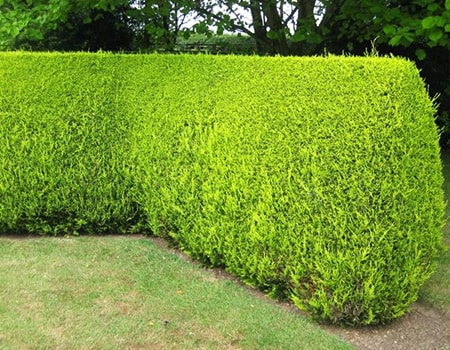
(316, 179)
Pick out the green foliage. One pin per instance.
(316, 179)
(20, 19)
(64, 158)
(308, 193)
(422, 23)
(92, 25)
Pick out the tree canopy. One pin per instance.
(278, 26)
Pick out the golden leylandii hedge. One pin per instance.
(316, 179)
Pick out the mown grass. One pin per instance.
(436, 291)
(124, 293)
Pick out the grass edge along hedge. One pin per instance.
(316, 179)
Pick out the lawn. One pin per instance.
(436, 291)
(128, 293)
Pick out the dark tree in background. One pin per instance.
(91, 31)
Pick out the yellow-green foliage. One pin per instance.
(64, 162)
(317, 179)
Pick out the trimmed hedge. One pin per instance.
(64, 162)
(317, 179)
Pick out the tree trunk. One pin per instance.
(306, 11)
(258, 26)
(278, 40)
(305, 18)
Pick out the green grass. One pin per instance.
(436, 291)
(126, 293)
